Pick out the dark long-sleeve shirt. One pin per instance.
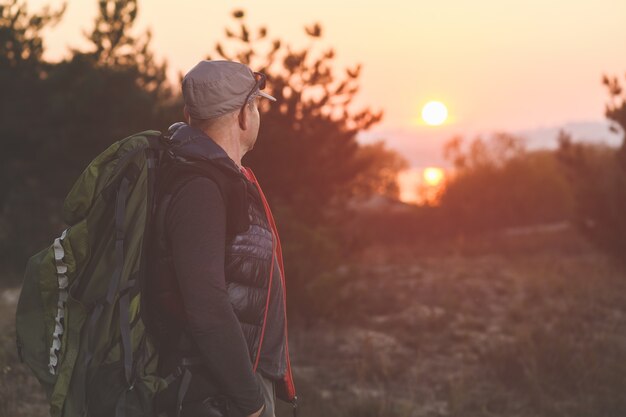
(196, 226)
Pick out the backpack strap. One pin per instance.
(182, 390)
(233, 189)
(120, 211)
(114, 286)
(183, 371)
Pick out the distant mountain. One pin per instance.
(598, 132)
(424, 147)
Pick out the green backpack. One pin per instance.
(80, 319)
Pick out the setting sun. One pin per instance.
(433, 176)
(434, 113)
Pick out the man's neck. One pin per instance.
(231, 145)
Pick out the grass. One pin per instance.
(528, 325)
(566, 354)
(20, 393)
(511, 326)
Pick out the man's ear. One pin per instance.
(243, 118)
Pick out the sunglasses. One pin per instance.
(260, 84)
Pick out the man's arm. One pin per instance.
(196, 225)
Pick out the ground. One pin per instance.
(526, 324)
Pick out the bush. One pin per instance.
(498, 184)
(597, 174)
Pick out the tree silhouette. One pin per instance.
(23, 79)
(380, 175)
(597, 174)
(116, 47)
(21, 44)
(307, 154)
(615, 110)
(56, 117)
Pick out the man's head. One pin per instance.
(222, 96)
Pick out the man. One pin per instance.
(219, 284)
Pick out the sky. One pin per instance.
(527, 67)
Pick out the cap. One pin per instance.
(214, 88)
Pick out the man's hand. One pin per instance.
(258, 413)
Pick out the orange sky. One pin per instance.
(497, 64)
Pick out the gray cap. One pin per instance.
(214, 88)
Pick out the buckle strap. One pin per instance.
(180, 369)
(182, 390)
(183, 370)
(174, 375)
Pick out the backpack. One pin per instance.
(81, 320)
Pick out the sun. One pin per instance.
(433, 176)
(434, 113)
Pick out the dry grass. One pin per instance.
(516, 326)
(522, 325)
(20, 393)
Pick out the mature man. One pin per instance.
(219, 284)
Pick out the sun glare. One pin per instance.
(434, 113)
(433, 176)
